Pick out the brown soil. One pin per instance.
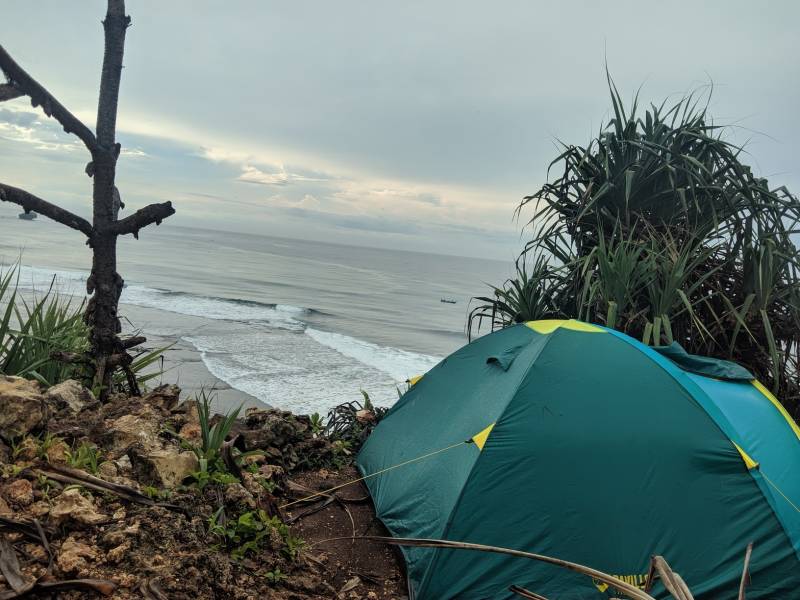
(377, 567)
(171, 551)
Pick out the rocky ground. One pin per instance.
(119, 500)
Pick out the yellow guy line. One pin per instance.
(785, 497)
(407, 462)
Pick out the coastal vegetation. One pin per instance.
(659, 229)
(45, 337)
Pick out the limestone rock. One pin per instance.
(56, 454)
(22, 407)
(237, 495)
(191, 433)
(19, 491)
(165, 397)
(72, 505)
(164, 467)
(69, 395)
(134, 430)
(73, 557)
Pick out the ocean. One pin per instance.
(297, 324)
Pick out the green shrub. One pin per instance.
(656, 228)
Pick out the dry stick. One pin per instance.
(521, 591)
(745, 570)
(619, 585)
(28, 529)
(672, 581)
(67, 475)
(45, 544)
(101, 586)
(9, 565)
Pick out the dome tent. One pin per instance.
(591, 447)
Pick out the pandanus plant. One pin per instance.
(657, 228)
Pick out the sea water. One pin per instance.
(299, 325)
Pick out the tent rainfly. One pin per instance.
(586, 445)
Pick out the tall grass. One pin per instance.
(658, 229)
(33, 329)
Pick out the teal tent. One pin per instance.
(578, 442)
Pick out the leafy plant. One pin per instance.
(658, 229)
(212, 436)
(317, 423)
(346, 430)
(275, 576)
(217, 476)
(85, 457)
(250, 531)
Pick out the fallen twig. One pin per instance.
(521, 591)
(745, 571)
(101, 586)
(671, 580)
(67, 475)
(619, 585)
(9, 566)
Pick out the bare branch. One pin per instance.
(154, 213)
(115, 25)
(8, 91)
(41, 97)
(33, 203)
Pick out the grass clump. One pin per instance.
(86, 457)
(251, 531)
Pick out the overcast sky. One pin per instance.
(397, 124)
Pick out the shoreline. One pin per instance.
(183, 365)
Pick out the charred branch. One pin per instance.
(29, 203)
(114, 25)
(19, 79)
(133, 341)
(154, 213)
(8, 91)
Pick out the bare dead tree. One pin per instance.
(108, 352)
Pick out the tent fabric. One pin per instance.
(703, 365)
(591, 447)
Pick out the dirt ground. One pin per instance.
(377, 567)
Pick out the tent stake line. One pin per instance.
(376, 473)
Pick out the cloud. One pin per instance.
(252, 174)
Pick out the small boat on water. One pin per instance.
(448, 300)
(29, 216)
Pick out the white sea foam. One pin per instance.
(399, 364)
(223, 309)
(293, 371)
(270, 353)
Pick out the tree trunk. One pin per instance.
(105, 284)
(107, 351)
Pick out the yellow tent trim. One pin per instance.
(760, 387)
(547, 326)
(412, 380)
(480, 438)
(749, 462)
